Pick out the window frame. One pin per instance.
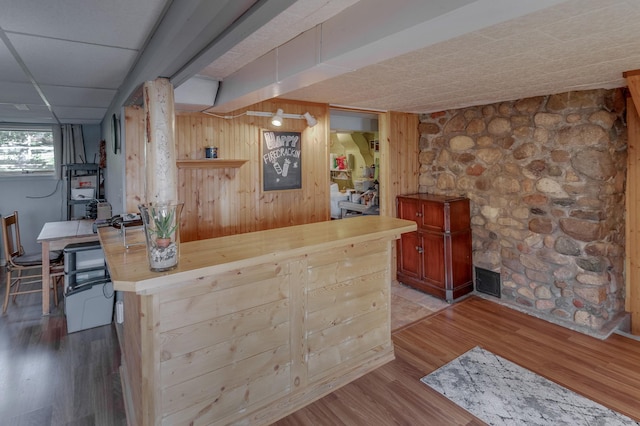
(52, 173)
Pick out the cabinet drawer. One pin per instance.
(408, 209)
(436, 212)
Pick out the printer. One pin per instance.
(88, 290)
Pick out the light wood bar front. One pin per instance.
(251, 327)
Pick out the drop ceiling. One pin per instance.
(78, 61)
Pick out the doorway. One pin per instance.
(354, 163)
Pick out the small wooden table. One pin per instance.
(56, 236)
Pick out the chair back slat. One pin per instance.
(11, 236)
(15, 267)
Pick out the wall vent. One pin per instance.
(488, 282)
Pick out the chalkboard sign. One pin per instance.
(281, 160)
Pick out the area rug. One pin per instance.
(500, 392)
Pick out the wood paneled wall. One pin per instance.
(399, 151)
(632, 263)
(632, 217)
(133, 145)
(226, 201)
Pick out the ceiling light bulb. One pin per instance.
(277, 119)
(311, 121)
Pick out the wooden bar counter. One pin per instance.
(251, 327)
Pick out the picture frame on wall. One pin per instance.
(281, 160)
(115, 133)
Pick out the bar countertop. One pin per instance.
(129, 268)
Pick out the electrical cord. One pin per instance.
(45, 196)
(226, 117)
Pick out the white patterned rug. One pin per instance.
(500, 392)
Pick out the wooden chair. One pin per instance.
(18, 262)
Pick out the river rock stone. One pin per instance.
(489, 155)
(592, 264)
(524, 151)
(551, 187)
(567, 246)
(529, 105)
(476, 126)
(595, 295)
(475, 170)
(560, 156)
(499, 126)
(546, 179)
(429, 128)
(581, 230)
(604, 119)
(583, 135)
(506, 185)
(455, 125)
(547, 120)
(541, 225)
(461, 143)
(595, 164)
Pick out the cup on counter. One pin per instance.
(211, 152)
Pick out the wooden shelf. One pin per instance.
(214, 163)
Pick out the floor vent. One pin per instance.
(488, 282)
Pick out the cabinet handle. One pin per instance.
(418, 214)
(419, 249)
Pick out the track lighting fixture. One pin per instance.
(311, 121)
(277, 118)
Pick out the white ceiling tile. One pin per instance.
(71, 115)
(10, 70)
(123, 23)
(77, 64)
(591, 22)
(35, 114)
(19, 93)
(301, 16)
(78, 96)
(573, 45)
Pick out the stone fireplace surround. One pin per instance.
(546, 179)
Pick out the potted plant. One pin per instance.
(161, 224)
(165, 225)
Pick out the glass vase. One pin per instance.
(162, 231)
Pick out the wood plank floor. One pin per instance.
(606, 371)
(50, 378)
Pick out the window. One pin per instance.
(26, 149)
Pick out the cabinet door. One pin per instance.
(408, 209)
(433, 215)
(461, 263)
(410, 255)
(433, 245)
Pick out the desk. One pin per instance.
(55, 236)
(347, 206)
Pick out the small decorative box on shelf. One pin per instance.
(210, 163)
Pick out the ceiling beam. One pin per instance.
(633, 82)
(259, 14)
(187, 31)
(337, 46)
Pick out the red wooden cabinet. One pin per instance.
(437, 257)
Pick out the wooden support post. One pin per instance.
(632, 260)
(160, 150)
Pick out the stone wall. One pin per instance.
(546, 179)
